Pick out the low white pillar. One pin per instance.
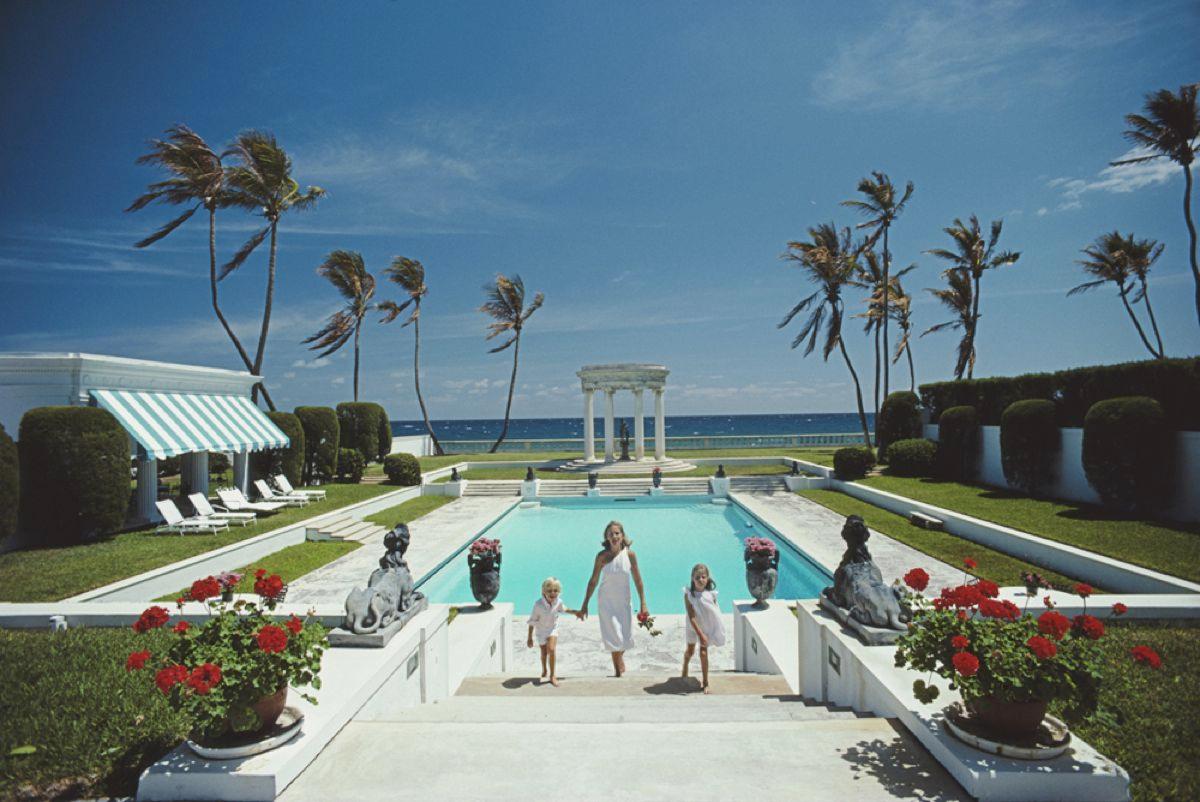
(241, 472)
(589, 426)
(639, 426)
(608, 426)
(147, 490)
(660, 428)
(194, 472)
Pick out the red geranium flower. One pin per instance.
(204, 677)
(1043, 648)
(294, 625)
(1054, 624)
(1090, 626)
(966, 664)
(970, 564)
(1146, 656)
(181, 627)
(1084, 589)
(151, 618)
(988, 588)
(166, 678)
(1006, 610)
(960, 642)
(962, 615)
(917, 579)
(137, 660)
(272, 639)
(269, 587)
(260, 573)
(961, 596)
(1119, 609)
(205, 588)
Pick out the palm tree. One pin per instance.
(1112, 258)
(870, 276)
(882, 209)
(973, 257)
(262, 182)
(831, 262)
(1171, 128)
(409, 275)
(902, 313)
(347, 273)
(197, 180)
(958, 298)
(506, 305)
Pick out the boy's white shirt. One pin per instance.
(544, 617)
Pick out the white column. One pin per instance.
(241, 472)
(660, 428)
(193, 473)
(608, 425)
(147, 490)
(639, 426)
(589, 425)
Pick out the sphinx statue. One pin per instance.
(386, 603)
(859, 594)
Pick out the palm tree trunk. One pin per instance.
(1162, 353)
(266, 321)
(877, 370)
(1141, 332)
(862, 413)
(1187, 216)
(887, 267)
(512, 383)
(357, 329)
(437, 447)
(974, 329)
(912, 374)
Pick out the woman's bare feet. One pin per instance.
(705, 690)
(554, 681)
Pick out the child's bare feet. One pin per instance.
(554, 681)
(705, 690)
(543, 673)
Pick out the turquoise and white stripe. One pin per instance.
(169, 424)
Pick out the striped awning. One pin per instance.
(168, 424)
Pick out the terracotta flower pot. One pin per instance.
(1009, 718)
(270, 707)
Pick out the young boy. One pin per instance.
(544, 622)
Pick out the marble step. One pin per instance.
(634, 684)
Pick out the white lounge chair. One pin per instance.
(265, 493)
(206, 510)
(286, 488)
(175, 522)
(234, 501)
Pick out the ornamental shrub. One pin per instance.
(1029, 445)
(169, 466)
(321, 442)
(899, 419)
(10, 484)
(74, 473)
(289, 460)
(958, 444)
(350, 465)
(852, 462)
(402, 469)
(911, 457)
(1127, 452)
(385, 433)
(359, 425)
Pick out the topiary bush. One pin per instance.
(958, 444)
(74, 464)
(350, 465)
(1029, 444)
(899, 419)
(322, 439)
(852, 462)
(911, 457)
(169, 466)
(10, 484)
(385, 433)
(1128, 453)
(402, 469)
(289, 460)
(359, 425)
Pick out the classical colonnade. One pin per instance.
(609, 379)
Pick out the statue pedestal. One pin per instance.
(871, 636)
(380, 637)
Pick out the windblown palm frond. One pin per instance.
(506, 305)
(348, 274)
(196, 177)
(958, 297)
(409, 275)
(1122, 260)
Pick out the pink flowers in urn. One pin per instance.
(485, 547)
(760, 545)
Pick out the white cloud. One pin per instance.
(316, 364)
(1120, 179)
(338, 380)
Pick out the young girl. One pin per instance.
(704, 623)
(544, 622)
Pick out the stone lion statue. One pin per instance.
(858, 585)
(389, 591)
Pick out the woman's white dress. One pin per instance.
(613, 603)
(708, 616)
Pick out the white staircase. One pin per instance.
(757, 484)
(343, 528)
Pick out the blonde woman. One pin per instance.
(615, 565)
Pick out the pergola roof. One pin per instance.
(623, 376)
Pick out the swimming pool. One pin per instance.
(670, 534)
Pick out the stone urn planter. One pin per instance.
(483, 561)
(280, 724)
(762, 569)
(1011, 719)
(656, 477)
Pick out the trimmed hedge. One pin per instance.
(218, 462)
(853, 462)
(899, 419)
(290, 460)
(350, 465)
(911, 457)
(10, 484)
(959, 444)
(74, 473)
(1127, 452)
(385, 433)
(1029, 443)
(322, 440)
(1174, 383)
(402, 469)
(359, 425)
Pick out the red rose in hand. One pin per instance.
(206, 588)
(294, 625)
(917, 579)
(1146, 656)
(151, 618)
(960, 642)
(966, 664)
(643, 617)
(1043, 648)
(1054, 624)
(1119, 609)
(137, 660)
(181, 627)
(1090, 626)
(970, 564)
(166, 678)
(1084, 589)
(272, 639)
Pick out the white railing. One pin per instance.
(674, 443)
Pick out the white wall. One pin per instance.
(419, 445)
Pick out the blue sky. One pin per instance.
(644, 167)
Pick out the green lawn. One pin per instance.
(56, 573)
(1173, 548)
(409, 510)
(993, 565)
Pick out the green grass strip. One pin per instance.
(409, 511)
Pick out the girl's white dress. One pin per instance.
(544, 619)
(708, 616)
(613, 601)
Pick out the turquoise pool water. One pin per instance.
(670, 535)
